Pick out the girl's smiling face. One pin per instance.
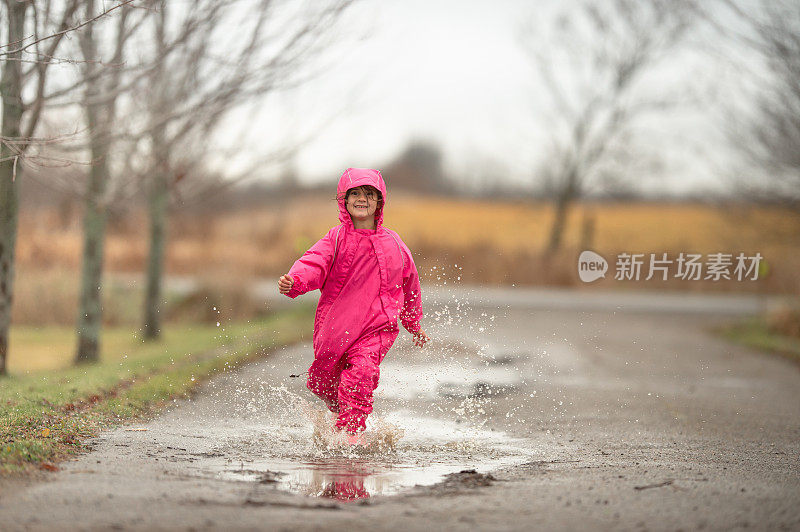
(361, 202)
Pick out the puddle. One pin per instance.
(347, 479)
(404, 382)
(279, 437)
(449, 377)
(428, 449)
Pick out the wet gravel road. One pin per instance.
(571, 419)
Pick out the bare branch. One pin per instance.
(766, 133)
(65, 28)
(591, 70)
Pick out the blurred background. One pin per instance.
(160, 159)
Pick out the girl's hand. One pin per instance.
(420, 338)
(285, 283)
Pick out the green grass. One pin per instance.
(755, 333)
(46, 416)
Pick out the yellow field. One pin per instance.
(620, 226)
(491, 242)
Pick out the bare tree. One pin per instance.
(764, 128)
(33, 34)
(102, 77)
(591, 70)
(195, 82)
(26, 59)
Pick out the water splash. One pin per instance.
(379, 438)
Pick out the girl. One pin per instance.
(368, 280)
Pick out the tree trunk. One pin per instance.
(159, 191)
(557, 229)
(90, 309)
(159, 196)
(587, 230)
(566, 197)
(90, 304)
(11, 93)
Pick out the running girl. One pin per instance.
(367, 281)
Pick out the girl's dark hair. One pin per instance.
(346, 192)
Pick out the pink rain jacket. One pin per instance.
(359, 302)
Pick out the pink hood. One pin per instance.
(356, 177)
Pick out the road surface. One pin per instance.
(611, 416)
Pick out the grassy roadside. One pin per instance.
(756, 333)
(45, 417)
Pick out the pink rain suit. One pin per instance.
(367, 281)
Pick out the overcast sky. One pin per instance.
(451, 72)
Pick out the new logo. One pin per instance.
(591, 266)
